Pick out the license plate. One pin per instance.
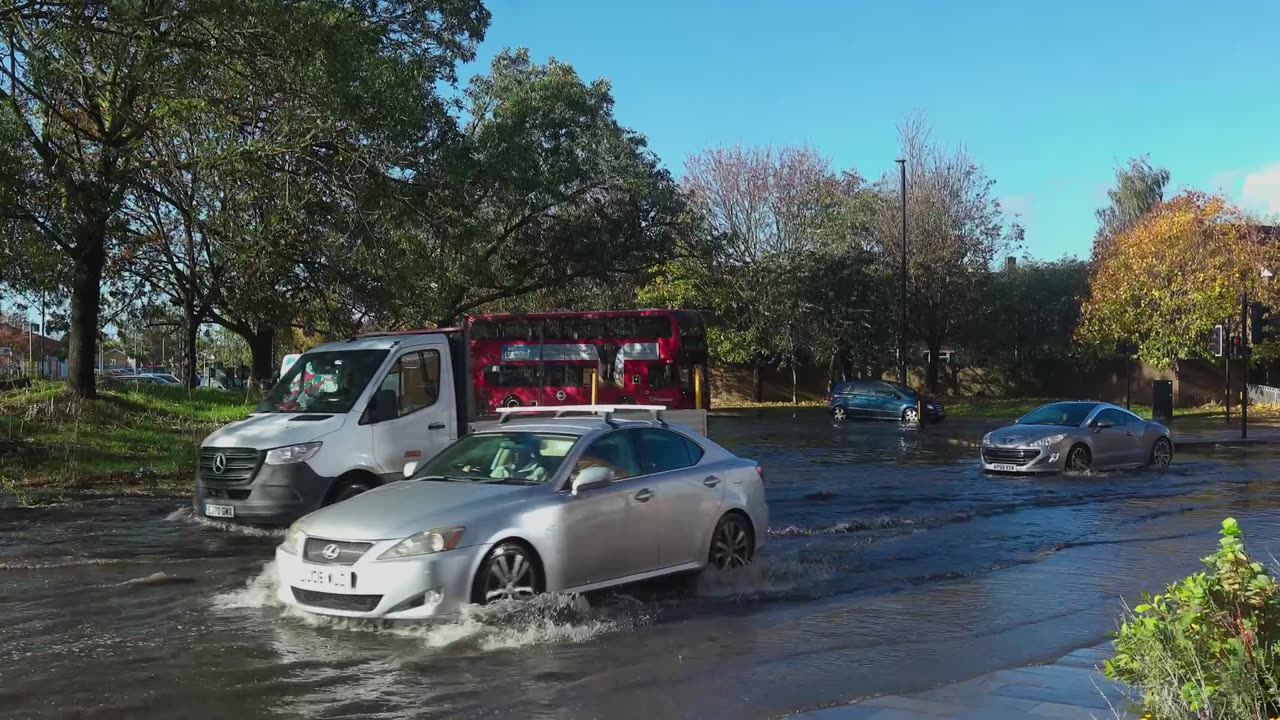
(323, 577)
(1004, 467)
(219, 510)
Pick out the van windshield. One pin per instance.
(323, 382)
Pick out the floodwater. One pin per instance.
(893, 565)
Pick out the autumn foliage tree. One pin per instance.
(1166, 282)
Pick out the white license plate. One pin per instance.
(1004, 467)
(313, 576)
(219, 510)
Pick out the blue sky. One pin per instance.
(1049, 97)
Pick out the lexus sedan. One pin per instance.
(1076, 436)
(530, 504)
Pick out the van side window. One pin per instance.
(414, 382)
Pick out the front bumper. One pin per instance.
(409, 589)
(275, 495)
(1002, 460)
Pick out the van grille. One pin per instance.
(237, 464)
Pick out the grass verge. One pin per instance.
(143, 441)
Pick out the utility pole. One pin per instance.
(1246, 351)
(902, 318)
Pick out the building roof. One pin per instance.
(16, 337)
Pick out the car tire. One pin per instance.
(1079, 459)
(511, 572)
(349, 488)
(732, 543)
(839, 414)
(511, 401)
(1162, 453)
(910, 415)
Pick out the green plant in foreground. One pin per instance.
(1209, 647)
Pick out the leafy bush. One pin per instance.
(1209, 648)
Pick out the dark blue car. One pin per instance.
(879, 400)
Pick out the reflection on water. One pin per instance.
(892, 564)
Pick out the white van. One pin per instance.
(346, 417)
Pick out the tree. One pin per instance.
(88, 85)
(1165, 283)
(1139, 189)
(955, 230)
(542, 188)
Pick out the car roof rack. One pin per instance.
(605, 412)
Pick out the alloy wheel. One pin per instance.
(1162, 454)
(1078, 460)
(911, 415)
(350, 490)
(509, 575)
(839, 414)
(731, 543)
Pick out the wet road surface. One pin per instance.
(893, 565)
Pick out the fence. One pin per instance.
(1264, 395)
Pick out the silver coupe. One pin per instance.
(1076, 436)
(567, 502)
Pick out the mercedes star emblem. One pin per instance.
(330, 551)
(219, 463)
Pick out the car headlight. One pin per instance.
(425, 543)
(292, 453)
(293, 537)
(1046, 441)
(986, 439)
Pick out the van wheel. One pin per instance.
(349, 488)
(511, 401)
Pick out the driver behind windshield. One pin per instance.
(523, 462)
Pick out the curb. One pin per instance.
(1211, 444)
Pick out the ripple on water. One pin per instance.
(186, 514)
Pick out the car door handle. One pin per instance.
(1131, 434)
(711, 481)
(436, 426)
(644, 495)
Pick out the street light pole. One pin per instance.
(902, 317)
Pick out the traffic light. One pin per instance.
(1238, 348)
(1218, 344)
(1260, 325)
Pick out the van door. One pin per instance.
(413, 409)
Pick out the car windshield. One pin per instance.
(521, 458)
(323, 382)
(905, 390)
(1064, 414)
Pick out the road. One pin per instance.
(893, 566)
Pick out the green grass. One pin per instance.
(143, 440)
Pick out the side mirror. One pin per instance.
(592, 478)
(410, 468)
(1097, 425)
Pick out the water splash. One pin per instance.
(259, 591)
(767, 575)
(186, 514)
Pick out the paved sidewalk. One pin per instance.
(1072, 688)
(1226, 436)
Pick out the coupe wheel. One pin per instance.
(508, 573)
(1078, 459)
(839, 414)
(732, 543)
(1162, 453)
(911, 415)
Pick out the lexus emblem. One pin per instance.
(331, 551)
(219, 463)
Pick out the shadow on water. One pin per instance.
(893, 564)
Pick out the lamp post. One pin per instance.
(902, 317)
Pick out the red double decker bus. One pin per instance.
(645, 357)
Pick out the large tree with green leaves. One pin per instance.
(88, 87)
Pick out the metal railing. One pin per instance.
(1264, 394)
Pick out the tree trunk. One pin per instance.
(794, 398)
(757, 382)
(931, 376)
(262, 347)
(189, 346)
(86, 305)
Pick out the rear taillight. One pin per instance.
(760, 472)
(830, 399)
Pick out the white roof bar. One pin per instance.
(606, 411)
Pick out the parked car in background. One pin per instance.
(1076, 436)
(547, 499)
(880, 400)
(165, 378)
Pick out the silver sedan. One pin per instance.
(1076, 436)
(529, 505)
